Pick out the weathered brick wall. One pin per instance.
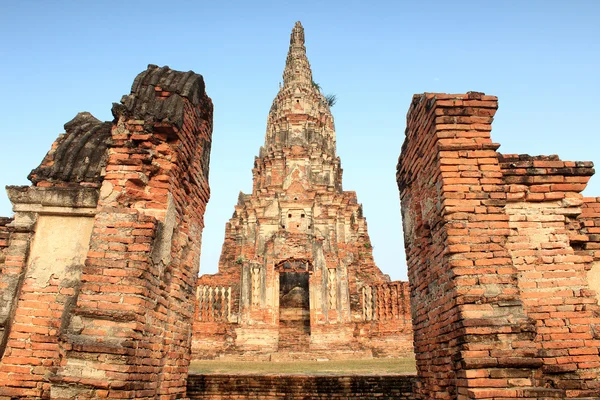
(543, 202)
(586, 240)
(589, 228)
(39, 285)
(115, 320)
(9, 279)
(247, 386)
(49, 236)
(452, 230)
(136, 300)
(499, 300)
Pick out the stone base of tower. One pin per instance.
(325, 342)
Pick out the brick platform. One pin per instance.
(223, 386)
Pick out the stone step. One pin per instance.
(294, 335)
(303, 354)
(321, 355)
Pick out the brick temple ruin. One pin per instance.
(99, 264)
(296, 273)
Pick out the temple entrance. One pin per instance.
(294, 307)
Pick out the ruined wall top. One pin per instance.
(78, 156)
(156, 95)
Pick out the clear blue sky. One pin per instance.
(541, 58)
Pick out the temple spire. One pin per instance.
(297, 68)
(297, 37)
(300, 115)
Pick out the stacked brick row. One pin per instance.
(589, 227)
(120, 326)
(500, 302)
(222, 386)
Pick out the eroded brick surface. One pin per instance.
(296, 272)
(585, 239)
(500, 300)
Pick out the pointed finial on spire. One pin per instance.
(297, 68)
(297, 37)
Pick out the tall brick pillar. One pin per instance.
(484, 326)
(100, 263)
(129, 333)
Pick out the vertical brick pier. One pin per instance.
(500, 301)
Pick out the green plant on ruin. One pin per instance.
(316, 86)
(331, 99)
(240, 260)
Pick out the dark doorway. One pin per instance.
(294, 311)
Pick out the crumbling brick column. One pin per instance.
(101, 261)
(14, 246)
(480, 329)
(129, 334)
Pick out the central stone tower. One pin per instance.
(296, 271)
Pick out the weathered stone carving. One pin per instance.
(331, 285)
(77, 156)
(214, 303)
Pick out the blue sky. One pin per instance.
(541, 58)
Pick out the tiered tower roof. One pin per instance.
(299, 126)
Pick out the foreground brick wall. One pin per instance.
(113, 316)
(500, 302)
(46, 246)
(37, 290)
(222, 386)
